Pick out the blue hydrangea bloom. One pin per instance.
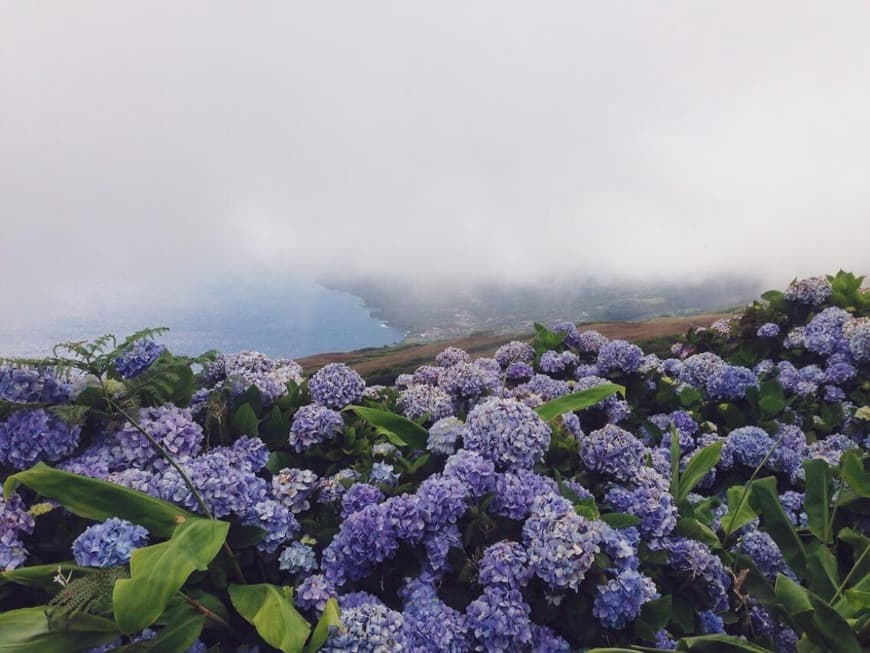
(452, 356)
(647, 497)
(368, 628)
(504, 564)
(546, 387)
(15, 521)
(766, 555)
(473, 470)
(730, 382)
(514, 352)
(314, 424)
(274, 518)
(515, 492)
(23, 384)
(498, 621)
(138, 357)
(297, 558)
(612, 451)
(336, 385)
(313, 593)
(591, 341)
(294, 487)
(29, 436)
(572, 335)
(405, 517)
(768, 330)
(832, 448)
(246, 369)
(748, 445)
(420, 400)
(519, 372)
(443, 500)
(430, 625)
(619, 356)
(358, 496)
(443, 435)
(365, 538)
(704, 569)
(619, 602)
(171, 426)
(544, 640)
(428, 375)
(858, 333)
(813, 291)
(467, 380)
(507, 432)
(108, 544)
(698, 368)
(710, 623)
(383, 474)
(824, 333)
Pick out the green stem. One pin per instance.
(849, 575)
(208, 614)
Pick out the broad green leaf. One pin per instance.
(719, 644)
(858, 599)
(852, 471)
(94, 499)
(244, 422)
(329, 618)
(771, 398)
(792, 597)
(740, 511)
(270, 610)
(577, 401)
(765, 499)
(695, 530)
(399, 430)
(859, 575)
(701, 463)
(619, 519)
(690, 397)
(159, 571)
(822, 572)
(42, 576)
(654, 615)
(26, 631)
(182, 629)
(811, 615)
(820, 489)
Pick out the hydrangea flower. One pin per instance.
(519, 372)
(710, 623)
(546, 387)
(336, 385)
(504, 564)
(430, 625)
(108, 544)
(245, 369)
(748, 445)
(294, 487)
(612, 451)
(824, 333)
(514, 352)
(274, 518)
(428, 375)
(507, 432)
(766, 555)
(297, 558)
(358, 496)
(473, 470)
(498, 621)
(591, 341)
(452, 356)
(29, 436)
(314, 424)
(467, 380)
(515, 492)
(768, 330)
(15, 521)
(557, 363)
(730, 382)
(831, 448)
(368, 628)
(704, 569)
(619, 356)
(169, 425)
(420, 400)
(383, 474)
(647, 497)
(138, 357)
(698, 368)
(619, 602)
(313, 593)
(572, 335)
(443, 435)
(858, 332)
(24, 384)
(813, 291)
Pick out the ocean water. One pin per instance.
(288, 319)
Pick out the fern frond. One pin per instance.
(91, 594)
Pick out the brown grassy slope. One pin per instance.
(384, 364)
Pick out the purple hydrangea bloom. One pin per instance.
(832, 448)
(768, 330)
(620, 356)
(15, 521)
(336, 385)
(169, 425)
(561, 545)
(138, 357)
(23, 384)
(498, 621)
(430, 625)
(135, 479)
(383, 474)
(368, 628)
(294, 487)
(420, 400)
(514, 352)
(442, 499)
(405, 517)
(647, 497)
(108, 544)
(298, 558)
(833, 394)
(730, 382)
(858, 332)
(473, 470)
(443, 435)
(332, 488)
(274, 518)
(515, 492)
(544, 640)
(507, 432)
(356, 599)
(547, 388)
(796, 338)
(313, 593)
(572, 335)
(824, 333)
(251, 368)
(584, 370)
(29, 436)
(764, 368)
(748, 445)
(710, 623)
(813, 291)
(314, 424)
(838, 373)
(428, 375)
(698, 368)
(467, 380)
(766, 555)
(591, 341)
(620, 545)
(519, 372)
(365, 538)
(557, 363)
(358, 496)
(452, 356)
(504, 564)
(793, 505)
(438, 544)
(619, 602)
(612, 451)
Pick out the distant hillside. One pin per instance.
(383, 365)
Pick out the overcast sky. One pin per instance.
(146, 141)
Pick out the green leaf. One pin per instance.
(765, 499)
(619, 519)
(399, 430)
(244, 422)
(275, 429)
(771, 398)
(26, 631)
(740, 510)
(180, 632)
(577, 401)
(42, 576)
(852, 471)
(858, 599)
(701, 463)
(690, 398)
(157, 572)
(94, 499)
(820, 489)
(329, 618)
(822, 572)
(654, 615)
(719, 644)
(271, 612)
(695, 530)
(811, 615)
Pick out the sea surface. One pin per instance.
(288, 319)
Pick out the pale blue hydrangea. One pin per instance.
(612, 451)
(702, 568)
(313, 593)
(514, 352)
(730, 382)
(314, 424)
(294, 488)
(424, 400)
(428, 375)
(138, 357)
(443, 435)
(766, 555)
(619, 356)
(473, 470)
(768, 330)
(647, 497)
(519, 372)
(824, 333)
(618, 603)
(358, 496)
(504, 564)
(298, 558)
(25, 384)
(336, 385)
(15, 522)
(276, 520)
(591, 341)
(109, 543)
(507, 432)
(498, 621)
(813, 291)
(452, 356)
(383, 474)
(468, 380)
(368, 628)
